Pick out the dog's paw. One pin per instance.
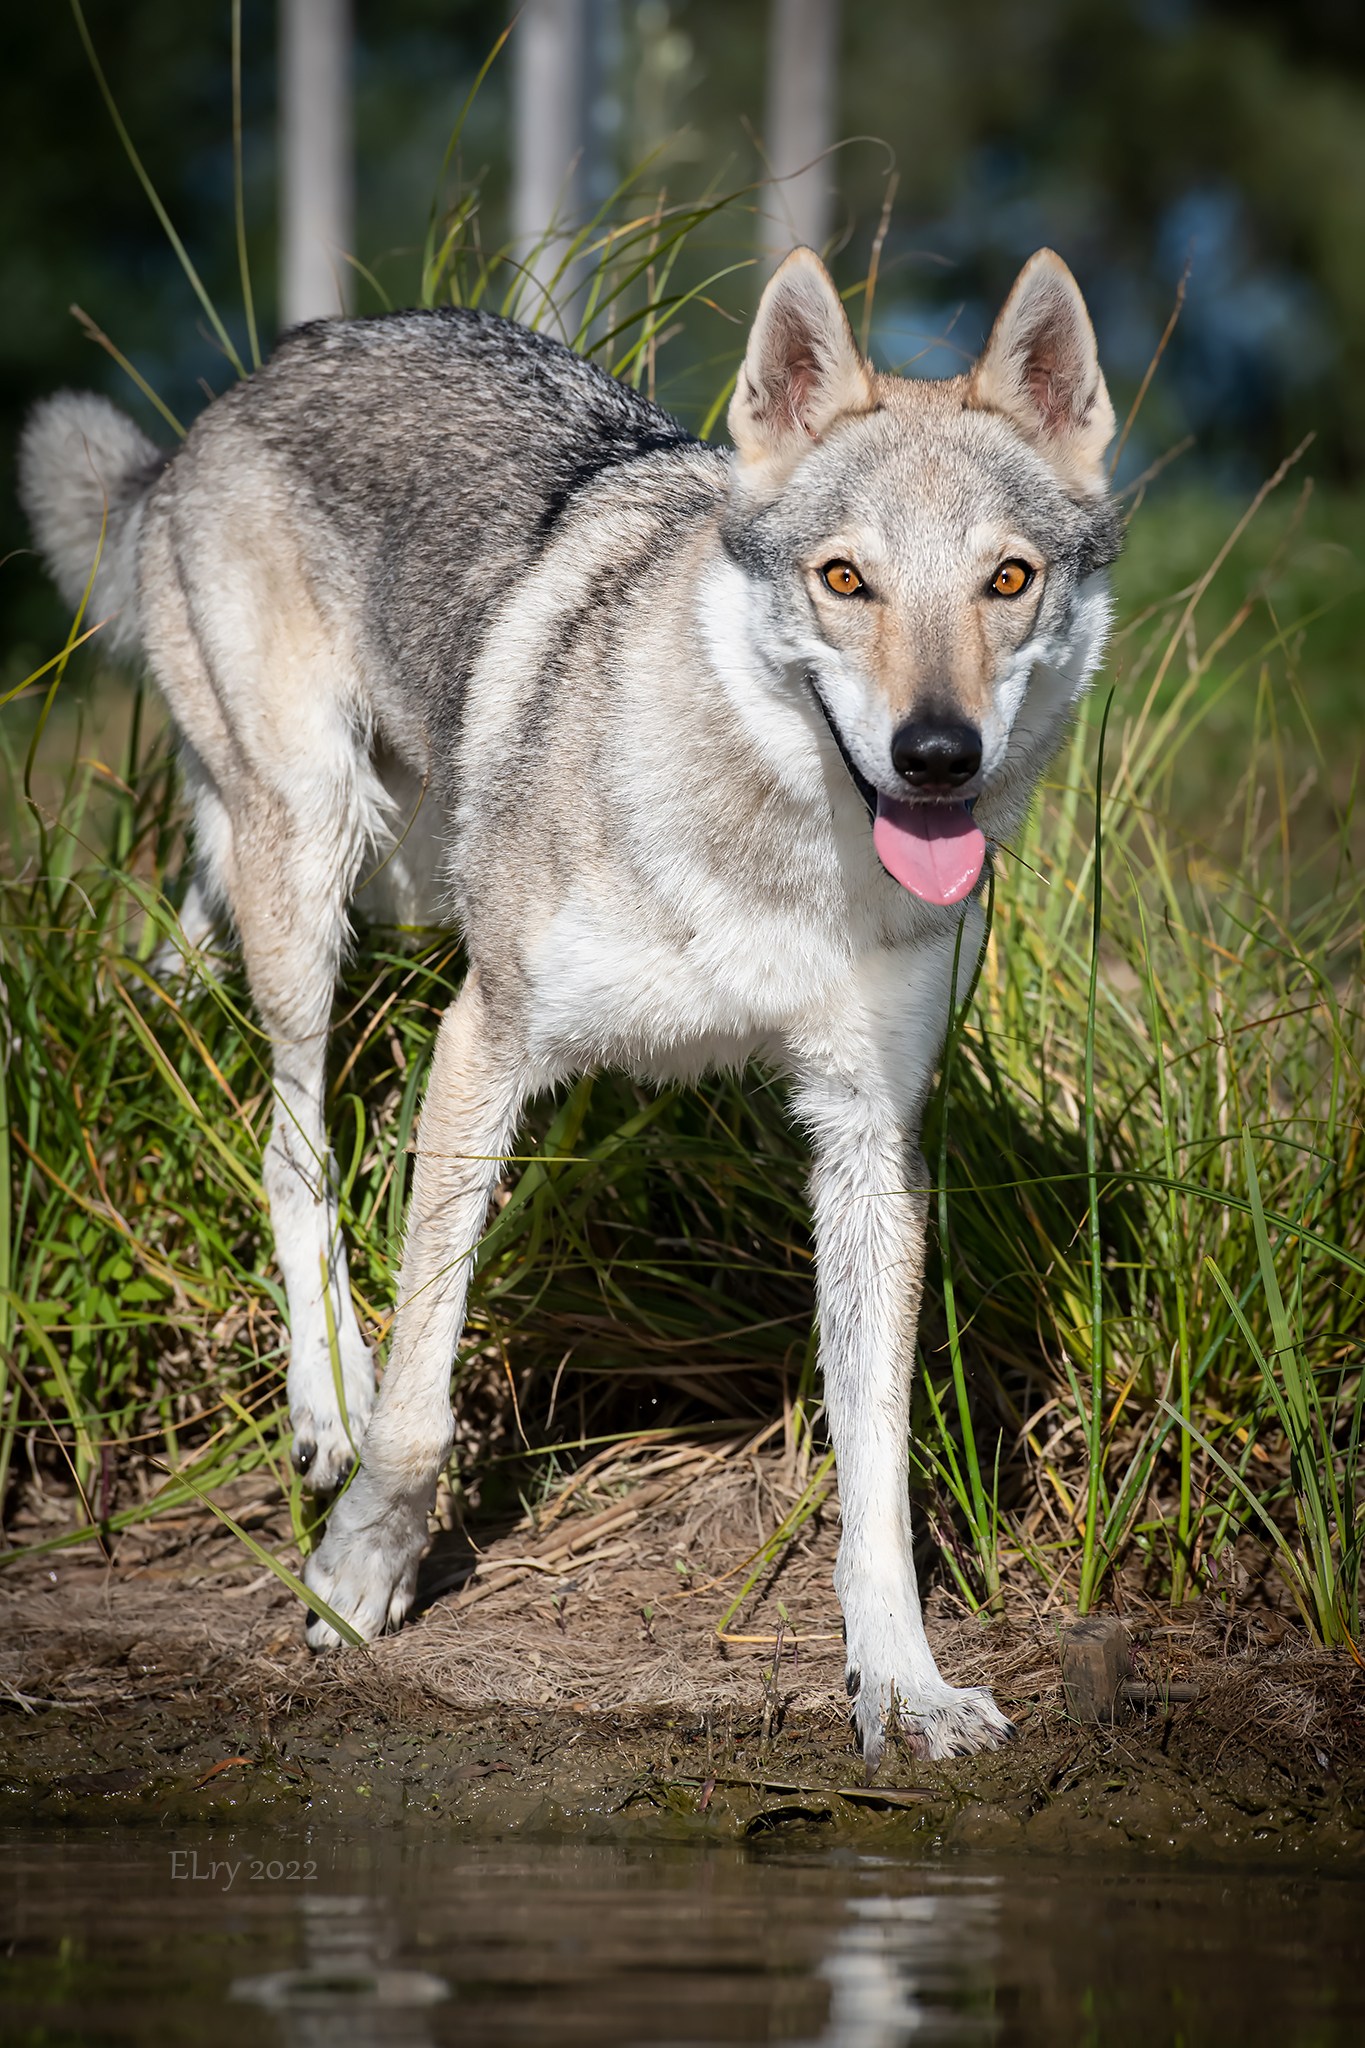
(326, 1443)
(366, 1565)
(935, 1721)
(324, 1447)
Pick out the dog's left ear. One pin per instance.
(802, 370)
(1041, 370)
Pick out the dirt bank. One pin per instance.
(567, 1675)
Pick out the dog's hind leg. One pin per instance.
(185, 951)
(290, 869)
(267, 693)
(191, 948)
(366, 1566)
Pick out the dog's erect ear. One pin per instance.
(802, 369)
(1040, 370)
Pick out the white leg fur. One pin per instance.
(202, 914)
(366, 1566)
(176, 958)
(869, 1199)
(300, 1181)
(286, 880)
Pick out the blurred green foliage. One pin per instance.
(1288, 606)
(1133, 135)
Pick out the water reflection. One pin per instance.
(900, 1966)
(345, 1987)
(399, 1937)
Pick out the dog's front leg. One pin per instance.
(869, 1195)
(366, 1565)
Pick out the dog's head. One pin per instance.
(924, 556)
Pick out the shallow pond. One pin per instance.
(236, 1935)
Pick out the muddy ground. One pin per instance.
(565, 1674)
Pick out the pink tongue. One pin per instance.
(933, 850)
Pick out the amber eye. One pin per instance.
(842, 578)
(1011, 578)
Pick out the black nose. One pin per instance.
(931, 755)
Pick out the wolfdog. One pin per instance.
(703, 751)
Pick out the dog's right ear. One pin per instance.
(1040, 369)
(802, 370)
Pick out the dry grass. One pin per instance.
(607, 1602)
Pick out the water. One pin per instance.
(395, 1936)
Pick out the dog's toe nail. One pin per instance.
(304, 1454)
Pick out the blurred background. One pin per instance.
(1147, 140)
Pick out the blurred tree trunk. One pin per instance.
(803, 73)
(317, 176)
(550, 96)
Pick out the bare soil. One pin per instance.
(566, 1674)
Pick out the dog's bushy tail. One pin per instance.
(84, 472)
